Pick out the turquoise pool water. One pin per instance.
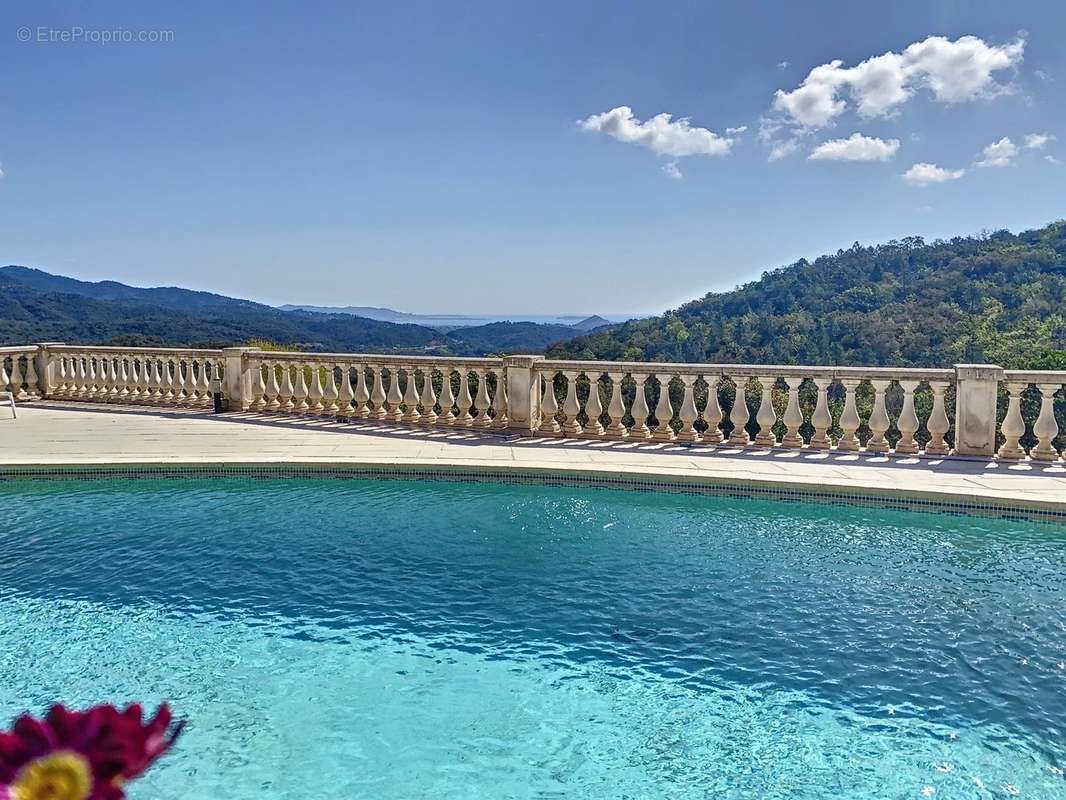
(348, 639)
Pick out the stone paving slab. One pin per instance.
(77, 433)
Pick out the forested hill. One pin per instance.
(37, 306)
(998, 298)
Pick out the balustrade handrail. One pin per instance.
(745, 370)
(195, 352)
(377, 359)
(18, 349)
(1034, 376)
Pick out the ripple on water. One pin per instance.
(349, 638)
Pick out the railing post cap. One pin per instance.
(50, 344)
(978, 372)
(521, 361)
(238, 350)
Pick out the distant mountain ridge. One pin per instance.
(39, 306)
(452, 321)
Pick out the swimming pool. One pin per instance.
(394, 639)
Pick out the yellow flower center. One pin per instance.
(56, 776)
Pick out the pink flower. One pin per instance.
(81, 755)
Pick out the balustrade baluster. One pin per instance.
(287, 392)
(209, 370)
(134, 379)
(1013, 427)
(688, 413)
(14, 380)
(376, 403)
(549, 406)
(639, 410)
(32, 384)
(428, 398)
(938, 424)
(616, 409)
(393, 397)
(182, 389)
(60, 371)
(410, 397)
(500, 420)
(314, 391)
(664, 411)
(361, 395)
(156, 385)
(447, 397)
(123, 394)
(593, 407)
(81, 376)
(344, 392)
(766, 416)
(793, 417)
(258, 386)
(739, 414)
(5, 379)
(114, 389)
(190, 395)
(157, 382)
(849, 418)
(167, 386)
(329, 390)
(712, 412)
(463, 401)
(1045, 429)
(571, 406)
(481, 401)
(908, 419)
(299, 392)
(272, 393)
(879, 421)
(93, 383)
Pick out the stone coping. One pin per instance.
(56, 440)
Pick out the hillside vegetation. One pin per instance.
(998, 298)
(37, 306)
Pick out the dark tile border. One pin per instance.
(539, 477)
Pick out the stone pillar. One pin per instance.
(523, 394)
(976, 387)
(237, 383)
(47, 372)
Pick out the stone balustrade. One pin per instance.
(162, 377)
(18, 372)
(466, 393)
(1046, 432)
(820, 408)
(968, 410)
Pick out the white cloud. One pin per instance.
(782, 65)
(1037, 141)
(735, 131)
(1044, 76)
(1051, 159)
(998, 154)
(1, 171)
(855, 148)
(661, 134)
(953, 71)
(924, 173)
(673, 171)
(783, 149)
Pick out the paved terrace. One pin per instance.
(48, 433)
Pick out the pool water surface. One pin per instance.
(399, 639)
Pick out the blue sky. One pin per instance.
(431, 157)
